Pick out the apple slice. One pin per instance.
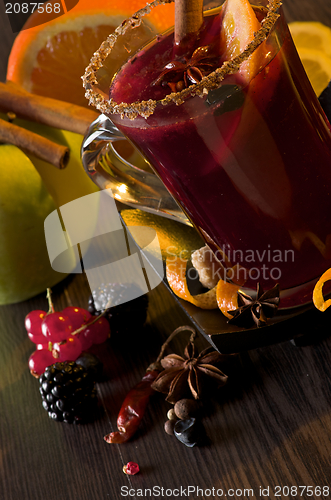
(238, 27)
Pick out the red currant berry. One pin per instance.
(67, 350)
(36, 338)
(77, 315)
(39, 360)
(33, 320)
(98, 332)
(56, 327)
(86, 338)
(39, 347)
(32, 323)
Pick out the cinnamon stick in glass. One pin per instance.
(188, 18)
(35, 144)
(45, 110)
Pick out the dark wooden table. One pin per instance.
(269, 430)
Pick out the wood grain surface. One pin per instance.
(270, 426)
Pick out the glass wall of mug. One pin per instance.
(245, 151)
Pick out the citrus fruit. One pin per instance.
(49, 59)
(312, 35)
(313, 42)
(176, 276)
(239, 25)
(318, 298)
(223, 296)
(227, 297)
(317, 66)
(237, 274)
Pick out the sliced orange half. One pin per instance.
(317, 66)
(49, 59)
(311, 35)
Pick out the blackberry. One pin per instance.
(91, 363)
(68, 392)
(124, 313)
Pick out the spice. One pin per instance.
(134, 405)
(37, 145)
(133, 409)
(182, 73)
(186, 374)
(169, 426)
(131, 468)
(188, 19)
(186, 408)
(45, 110)
(15, 101)
(171, 415)
(255, 310)
(189, 432)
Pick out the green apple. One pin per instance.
(25, 269)
(30, 190)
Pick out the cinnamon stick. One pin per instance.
(35, 144)
(188, 18)
(45, 110)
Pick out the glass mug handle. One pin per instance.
(131, 185)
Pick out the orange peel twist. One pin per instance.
(318, 298)
(222, 296)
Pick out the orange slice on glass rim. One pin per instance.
(318, 298)
(49, 59)
(239, 25)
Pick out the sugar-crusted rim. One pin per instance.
(209, 82)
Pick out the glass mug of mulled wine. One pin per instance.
(238, 144)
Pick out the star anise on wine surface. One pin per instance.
(188, 374)
(255, 311)
(183, 72)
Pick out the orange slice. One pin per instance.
(227, 297)
(176, 276)
(317, 66)
(311, 35)
(49, 59)
(318, 297)
(239, 25)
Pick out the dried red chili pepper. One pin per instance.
(133, 409)
(134, 405)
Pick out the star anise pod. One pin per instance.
(184, 374)
(181, 73)
(255, 311)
